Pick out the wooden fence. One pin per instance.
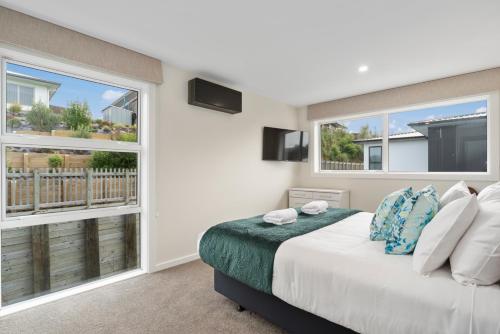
(41, 160)
(339, 165)
(47, 258)
(68, 188)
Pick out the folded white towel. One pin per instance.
(280, 217)
(315, 207)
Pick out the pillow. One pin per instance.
(476, 259)
(490, 193)
(457, 191)
(416, 212)
(442, 234)
(384, 215)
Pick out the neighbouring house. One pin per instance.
(457, 143)
(26, 90)
(123, 110)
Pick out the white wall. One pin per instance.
(408, 155)
(209, 166)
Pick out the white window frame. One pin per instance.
(493, 147)
(144, 148)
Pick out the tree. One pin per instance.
(338, 145)
(107, 159)
(77, 115)
(41, 118)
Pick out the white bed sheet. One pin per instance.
(339, 274)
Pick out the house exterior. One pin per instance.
(452, 144)
(26, 90)
(123, 110)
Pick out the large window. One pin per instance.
(451, 137)
(73, 173)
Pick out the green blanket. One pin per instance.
(244, 249)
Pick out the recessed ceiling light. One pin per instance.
(363, 68)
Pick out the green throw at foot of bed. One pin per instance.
(244, 249)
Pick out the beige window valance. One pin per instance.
(28, 32)
(420, 93)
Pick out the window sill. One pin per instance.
(408, 176)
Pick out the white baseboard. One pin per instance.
(176, 262)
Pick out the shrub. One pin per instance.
(41, 118)
(77, 115)
(82, 132)
(13, 123)
(55, 161)
(105, 159)
(15, 109)
(106, 129)
(130, 137)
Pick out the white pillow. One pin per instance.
(457, 191)
(476, 259)
(490, 193)
(442, 234)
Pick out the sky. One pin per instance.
(97, 95)
(398, 121)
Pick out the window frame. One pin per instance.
(493, 127)
(144, 147)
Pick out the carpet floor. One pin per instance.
(177, 300)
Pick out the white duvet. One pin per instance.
(339, 274)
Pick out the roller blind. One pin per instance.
(28, 32)
(425, 92)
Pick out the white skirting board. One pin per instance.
(175, 262)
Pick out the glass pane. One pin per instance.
(451, 138)
(66, 255)
(51, 104)
(12, 93)
(375, 158)
(345, 144)
(41, 180)
(26, 95)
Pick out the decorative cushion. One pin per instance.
(490, 193)
(442, 234)
(457, 191)
(384, 215)
(416, 212)
(476, 259)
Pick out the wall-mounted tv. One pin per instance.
(209, 95)
(285, 145)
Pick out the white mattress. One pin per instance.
(339, 274)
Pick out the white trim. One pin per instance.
(68, 292)
(176, 262)
(493, 147)
(144, 148)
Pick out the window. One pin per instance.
(67, 106)
(450, 137)
(375, 158)
(74, 164)
(21, 95)
(342, 143)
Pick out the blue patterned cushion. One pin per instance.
(381, 224)
(415, 213)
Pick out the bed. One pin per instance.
(335, 280)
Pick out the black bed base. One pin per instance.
(286, 316)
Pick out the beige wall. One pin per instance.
(209, 167)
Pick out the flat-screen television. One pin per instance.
(285, 145)
(209, 95)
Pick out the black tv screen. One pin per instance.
(285, 145)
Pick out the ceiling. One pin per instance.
(299, 52)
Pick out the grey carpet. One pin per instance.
(177, 300)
